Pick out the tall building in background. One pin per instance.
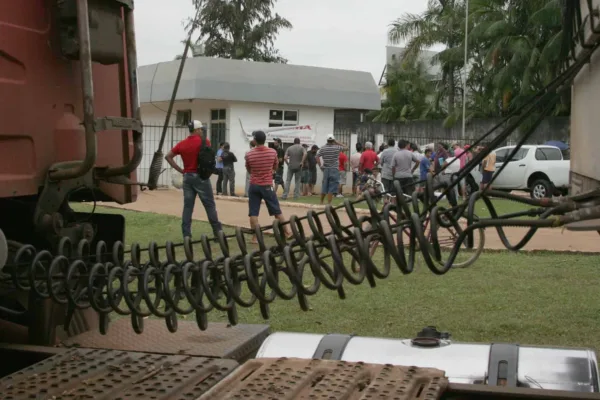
(395, 54)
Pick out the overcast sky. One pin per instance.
(345, 34)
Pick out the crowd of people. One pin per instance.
(410, 166)
(400, 161)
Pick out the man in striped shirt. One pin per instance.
(261, 162)
(330, 154)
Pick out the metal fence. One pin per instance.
(174, 134)
(422, 141)
(344, 133)
(425, 132)
(151, 138)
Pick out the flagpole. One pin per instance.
(464, 111)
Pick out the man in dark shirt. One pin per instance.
(193, 185)
(443, 178)
(311, 170)
(228, 170)
(278, 176)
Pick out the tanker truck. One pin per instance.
(82, 315)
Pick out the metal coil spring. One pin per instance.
(116, 280)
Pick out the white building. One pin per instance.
(234, 97)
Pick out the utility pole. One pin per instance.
(464, 111)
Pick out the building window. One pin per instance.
(283, 118)
(183, 117)
(218, 127)
(218, 115)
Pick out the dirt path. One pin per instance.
(234, 212)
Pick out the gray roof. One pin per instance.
(247, 81)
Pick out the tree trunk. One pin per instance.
(451, 92)
(236, 32)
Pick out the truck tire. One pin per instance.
(540, 189)
(3, 250)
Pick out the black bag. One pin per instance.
(206, 161)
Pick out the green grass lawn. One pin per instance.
(542, 299)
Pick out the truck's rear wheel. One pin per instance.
(3, 250)
(540, 189)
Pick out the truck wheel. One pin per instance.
(541, 189)
(3, 250)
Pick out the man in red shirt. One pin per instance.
(193, 185)
(261, 162)
(343, 168)
(368, 159)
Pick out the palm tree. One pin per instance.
(523, 40)
(442, 23)
(240, 29)
(409, 91)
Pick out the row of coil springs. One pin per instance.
(139, 283)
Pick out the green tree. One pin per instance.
(240, 29)
(442, 23)
(409, 94)
(522, 41)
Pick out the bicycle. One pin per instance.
(444, 241)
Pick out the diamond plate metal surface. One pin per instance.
(295, 379)
(115, 375)
(235, 342)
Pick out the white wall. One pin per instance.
(253, 115)
(256, 116)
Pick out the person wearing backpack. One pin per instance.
(198, 166)
(228, 170)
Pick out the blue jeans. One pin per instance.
(192, 186)
(258, 193)
(296, 174)
(331, 180)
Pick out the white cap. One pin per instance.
(195, 124)
(330, 137)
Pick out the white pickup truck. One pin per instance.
(540, 170)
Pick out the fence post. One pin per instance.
(169, 171)
(378, 141)
(353, 141)
(351, 152)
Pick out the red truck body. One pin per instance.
(41, 104)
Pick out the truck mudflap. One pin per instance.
(116, 375)
(507, 365)
(220, 340)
